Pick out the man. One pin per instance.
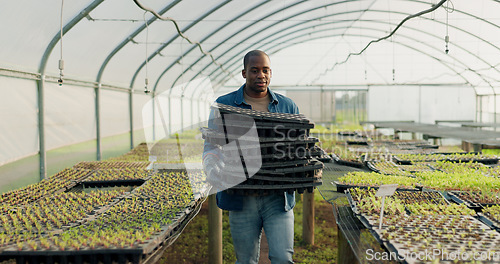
(249, 214)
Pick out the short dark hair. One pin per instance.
(250, 54)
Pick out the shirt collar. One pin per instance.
(239, 100)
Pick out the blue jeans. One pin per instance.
(259, 212)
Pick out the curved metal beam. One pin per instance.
(41, 82)
(385, 11)
(129, 39)
(288, 34)
(357, 35)
(164, 45)
(248, 25)
(203, 40)
(115, 51)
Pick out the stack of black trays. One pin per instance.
(271, 152)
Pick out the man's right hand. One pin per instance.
(213, 167)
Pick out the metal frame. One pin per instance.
(41, 83)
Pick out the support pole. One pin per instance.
(345, 253)
(308, 217)
(98, 121)
(131, 117)
(41, 128)
(214, 231)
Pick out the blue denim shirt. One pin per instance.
(278, 104)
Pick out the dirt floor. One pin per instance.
(192, 245)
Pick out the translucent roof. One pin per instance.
(311, 43)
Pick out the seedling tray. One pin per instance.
(341, 187)
(348, 163)
(298, 154)
(455, 197)
(220, 138)
(296, 174)
(417, 196)
(272, 179)
(276, 148)
(93, 184)
(356, 142)
(289, 163)
(106, 256)
(259, 115)
(285, 131)
(443, 157)
(275, 188)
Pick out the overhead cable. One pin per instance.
(434, 7)
(180, 33)
(146, 80)
(61, 61)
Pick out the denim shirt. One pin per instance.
(278, 104)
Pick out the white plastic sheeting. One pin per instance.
(450, 103)
(18, 126)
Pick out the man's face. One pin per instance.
(257, 73)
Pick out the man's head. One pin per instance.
(257, 72)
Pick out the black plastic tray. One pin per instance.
(343, 187)
(489, 222)
(111, 183)
(275, 188)
(283, 117)
(471, 205)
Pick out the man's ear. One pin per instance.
(244, 73)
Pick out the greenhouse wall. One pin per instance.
(319, 106)
(18, 111)
(421, 104)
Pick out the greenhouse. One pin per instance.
(128, 125)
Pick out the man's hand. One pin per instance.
(214, 167)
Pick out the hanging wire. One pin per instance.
(448, 11)
(146, 80)
(393, 45)
(434, 7)
(61, 61)
(179, 32)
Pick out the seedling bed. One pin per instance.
(96, 165)
(404, 241)
(342, 188)
(387, 167)
(431, 197)
(450, 157)
(107, 256)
